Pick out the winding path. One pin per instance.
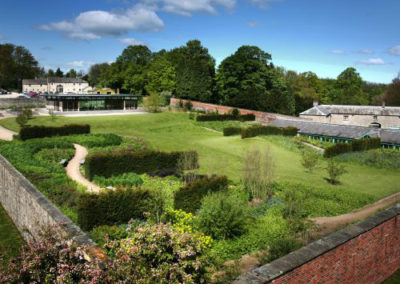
(73, 169)
(329, 224)
(6, 134)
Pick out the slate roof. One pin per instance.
(340, 131)
(325, 110)
(56, 80)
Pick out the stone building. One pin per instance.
(56, 85)
(377, 116)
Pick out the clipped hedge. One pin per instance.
(189, 197)
(268, 130)
(49, 131)
(365, 144)
(107, 164)
(229, 131)
(337, 149)
(224, 117)
(113, 206)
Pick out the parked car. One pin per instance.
(3, 92)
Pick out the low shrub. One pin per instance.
(103, 233)
(223, 215)
(107, 164)
(337, 149)
(189, 197)
(223, 117)
(113, 206)
(229, 131)
(366, 144)
(127, 179)
(48, 131)
(257, 130)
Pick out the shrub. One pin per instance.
(224, 117)
(223, 215)
(103, 233)
(188, 106)
(365, 144)
(154, 102)
(113, 206)
(229, 131)
(337, 149)
(260, 130)
(289, 131)
(235, 112)
(48, 131)
(127, 180)
(189, 197)
(335, 170)
(119, 162)
(309, 159)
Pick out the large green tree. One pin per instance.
(16, 64)
(161, 76)
(247, 79)
(392, 93)
(195, 71)
(97, 75)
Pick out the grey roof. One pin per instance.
(325, 110)
(340, 131)
(44, 81)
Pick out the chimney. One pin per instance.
(315, 103)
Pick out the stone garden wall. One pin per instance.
(367, 252)
(30, 209)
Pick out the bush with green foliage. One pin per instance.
(189, 197)
(337, 149)
(48, 131)
(101, 234)
(309, 159)
(115, 163)
(258, 130)
(113, 206)
(335, 170)
(229, 131)
(126, 180)
(235, 112)
(188, 106)
(223, 215)
(366, 144)
(379, 158)
(224, 117)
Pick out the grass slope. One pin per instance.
(223, 155)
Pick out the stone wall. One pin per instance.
(264, 117)
(8, 103)
(30, 209)
(367, 252)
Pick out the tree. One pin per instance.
(59, 73)
(392, 93)
(71, 74)
(97, 74)
(16, 64)
(309, 159)
(195, 71)
(153, 102)
(161, 76)
(335, 170)
(50, 73)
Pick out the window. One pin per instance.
(345, 117)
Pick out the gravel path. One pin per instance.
(73, 169)
(6, 134)
(330, 224)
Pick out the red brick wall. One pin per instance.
(261, 116)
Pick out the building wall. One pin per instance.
(76, 88)
(367, 252)
(29, 209)
(360, 120)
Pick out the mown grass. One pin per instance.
(10, 239)
(223, 155)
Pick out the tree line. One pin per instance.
(246, 79)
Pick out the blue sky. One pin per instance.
(323, 36)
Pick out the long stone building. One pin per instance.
(55, 85)
(378, 116)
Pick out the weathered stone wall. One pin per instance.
(260, 116)
(367, 252)
(8, 103)
(30, 209)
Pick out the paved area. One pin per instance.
(5, 134)
(330, 224)
(73, 169)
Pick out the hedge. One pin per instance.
(30, 132)
(357, 145)
(113, 206)
(107, 164)
(224, 117)
(189, 197)
(267, 130)
(229, 131)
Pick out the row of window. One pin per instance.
(346, 117)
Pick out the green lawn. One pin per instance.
(10, 240)
(223, 155)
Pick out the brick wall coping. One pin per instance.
(66, 224)
(293, 260)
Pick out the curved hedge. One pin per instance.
(30, 132)
(107, 164)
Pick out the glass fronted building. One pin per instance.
(73, 102)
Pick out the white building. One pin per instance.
(378, 116)
(56, 85)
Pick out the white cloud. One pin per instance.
(372, 61)
(338, 51)
(79, 64)
(130, 41)
(395, 50)
(92, 25)
(366, 51)
(264, 3)
(254, 25)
